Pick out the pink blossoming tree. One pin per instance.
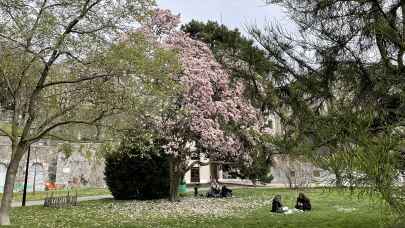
(210, 112)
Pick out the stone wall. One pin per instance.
(78, 169)
(290, 172)
(48, 163)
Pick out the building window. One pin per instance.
(195, 174)
(292, 173)
(269, 124)
(316, 173)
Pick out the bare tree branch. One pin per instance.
(34, 27)
(56, 116)
(5, 132)
(50, 62)
(192, 164)
(101, 76)
(63, 123)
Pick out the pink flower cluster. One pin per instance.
(209, 98)
(163, 22)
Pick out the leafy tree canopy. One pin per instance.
(339, 84)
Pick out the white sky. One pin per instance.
(233, 13)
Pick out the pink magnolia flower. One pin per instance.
(209, 98)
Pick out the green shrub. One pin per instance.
(137, 170)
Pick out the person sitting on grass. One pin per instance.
(303, 202)
(215, 190)
(276, 205)
(226, 192)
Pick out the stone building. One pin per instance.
(286, 172)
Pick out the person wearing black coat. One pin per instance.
(303, 203)
(276, 205)
(226, 192)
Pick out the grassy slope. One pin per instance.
(367, 214)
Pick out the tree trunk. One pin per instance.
(254, 182)
(339, 180)
(175, 179)
(9, 186)
(174, 186)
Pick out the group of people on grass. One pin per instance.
(217, 191)
(303, 204)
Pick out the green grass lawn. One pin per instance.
(249, 208)
(80, 192)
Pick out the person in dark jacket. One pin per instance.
(215, 190)
(226, 192)
(303, 202)
(276, 205)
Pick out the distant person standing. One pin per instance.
(303, 203)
